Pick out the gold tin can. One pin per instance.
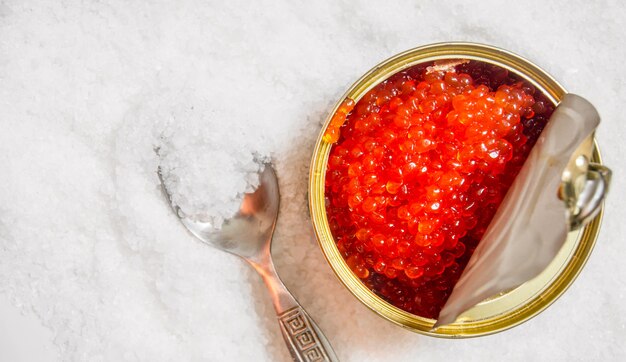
(499, 312)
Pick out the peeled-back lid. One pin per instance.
(556, 191)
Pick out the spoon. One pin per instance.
(248, 235)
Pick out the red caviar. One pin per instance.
(420, 165)
(339, 118)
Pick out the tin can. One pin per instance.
(499, 312)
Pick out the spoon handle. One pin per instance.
(303, 337)
(305, 340)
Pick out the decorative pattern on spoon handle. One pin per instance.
(305, 341)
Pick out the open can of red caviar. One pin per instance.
(497, 313)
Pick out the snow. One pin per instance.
(88, 245)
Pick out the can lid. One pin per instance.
(532, 222)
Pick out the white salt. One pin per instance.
(196, 179)
(89, 246)
(205, 170)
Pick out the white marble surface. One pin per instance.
(71, 71)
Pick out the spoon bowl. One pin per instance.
(249, 231)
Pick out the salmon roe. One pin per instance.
(419, 167)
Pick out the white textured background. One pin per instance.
(92, 267)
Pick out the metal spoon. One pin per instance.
(248, 234)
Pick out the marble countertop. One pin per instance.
(71, 70)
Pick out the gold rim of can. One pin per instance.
(497, 313)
